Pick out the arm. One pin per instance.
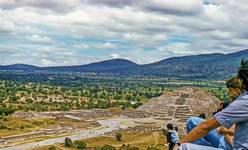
(168, 137)
(224, 131)
(229, 139)
(228, 133)
(201, 130)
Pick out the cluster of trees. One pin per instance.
(91, 93)
(63, 92)
(6, 110)
(79, 144)
(220, 92)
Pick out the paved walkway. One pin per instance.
(110, 126)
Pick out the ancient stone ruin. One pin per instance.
(177, 106)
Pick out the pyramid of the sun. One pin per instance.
(180, 104)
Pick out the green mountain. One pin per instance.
(207, 66)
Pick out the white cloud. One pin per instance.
(46, 62)
(144, 39)
(142, 28)
(38, 39)
(81, 46)
(6, 26)
(115, 56)
(175, 49)
(107, 45)
(54, 5)
(179, 7)
(163, 6)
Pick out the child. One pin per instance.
(172, 136)
(176, 136)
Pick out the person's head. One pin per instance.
(235, 88)
(170, 126)
(243, 74)
(203, 116)
(221, 105)
(176, 129)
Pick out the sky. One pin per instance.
(75, 32)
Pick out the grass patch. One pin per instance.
(133, 139)
(13, 125)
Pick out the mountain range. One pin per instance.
(206, 66)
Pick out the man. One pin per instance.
(234, 114)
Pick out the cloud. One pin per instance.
(81, 31)
(177, 7)
(115, 56)
(54, 5)
(47, 62)
(107, 45)
(112, 3)
(7, 49)
(175, 49)
(144, 39)
(6, 26)
(81, 46)
(163, 6)
(38, 39)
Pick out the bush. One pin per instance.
(165, 132)
(118, 136)
(80, 144)
(3, 126)
(68, 142)
(107, 147)
(52, 148)
(128, 147)
(152, 148)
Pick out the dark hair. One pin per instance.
(225, 104)
(233, 83)
(176, 129)
(243, 73)
(170, 126)
(203, 116)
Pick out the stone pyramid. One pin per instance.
(177, 106)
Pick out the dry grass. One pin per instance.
(20, 126)
(142, 141)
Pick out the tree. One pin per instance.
(80, 144)
(64, 108)
(108, 147)
(29, 100)
(136, 105)
(68, 142)
(13, 98)
(165, 132)
(118, 136)
(52, 148)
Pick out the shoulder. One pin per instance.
(169, 133)
(243, 96)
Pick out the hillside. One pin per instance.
(98, 67)
(205, 66)
(22, 67)
(208, 66)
